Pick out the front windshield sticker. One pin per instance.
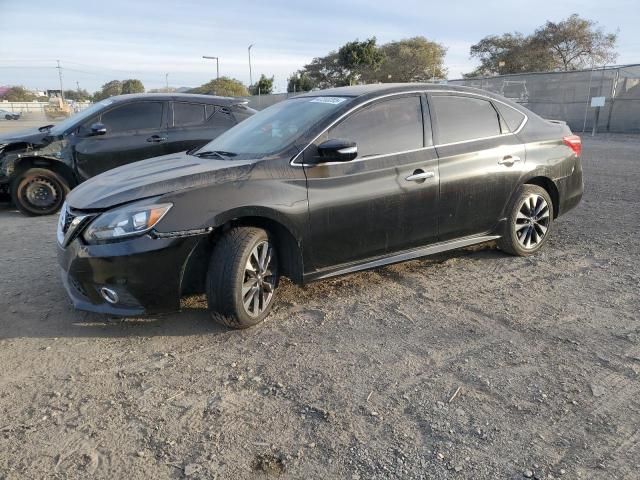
(331, 100)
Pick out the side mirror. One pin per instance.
(337, 150)
(98, 129)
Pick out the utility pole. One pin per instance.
(60, 75)
(250, 74)
(78, 85)
(217, 65)
(166, 80)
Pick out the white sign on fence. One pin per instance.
(597, 101)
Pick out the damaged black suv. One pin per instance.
(39, 167)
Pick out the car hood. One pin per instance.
(153, 177)
(33, 136)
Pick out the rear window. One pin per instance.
(185, 114)
(464, 118)
(512, 117)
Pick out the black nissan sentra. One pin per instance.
(323, 184)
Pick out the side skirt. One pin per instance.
(398, 257)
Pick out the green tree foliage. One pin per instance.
(18, 94)
(571, 44)
(224, 86)
(77, 95)
(408, 60)
(264, 86)
(577, 43)
(109, 89)
(132, 85)
(358, 58)
(300, 82)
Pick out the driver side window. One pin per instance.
(133, 116)
(386, 127)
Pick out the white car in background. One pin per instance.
(7, 115)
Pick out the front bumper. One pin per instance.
(146, 273)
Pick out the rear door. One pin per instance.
(375, 204)
(194, 124)
(135, 131)
(481, 161)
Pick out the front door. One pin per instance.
(135, 131)
(383, 201)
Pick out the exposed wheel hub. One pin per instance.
(41, 192)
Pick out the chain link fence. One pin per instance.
(567, 95)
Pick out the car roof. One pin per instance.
(182, 97)
(384, 88)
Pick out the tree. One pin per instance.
(577, 43)
(571, 44)
(132, 85)
(77, 95)
(510, 53)
(326, 72)
(18, 94)
(224, 86)
(411, 60)
(300, 82)
(109, 89)
(358, 58)
(264, 86)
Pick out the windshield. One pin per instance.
(274, 128)
(79, 117)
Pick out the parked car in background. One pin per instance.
(7, 115)
(39, 167)
(322, 184)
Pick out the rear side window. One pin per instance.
(185, 114)
(133, 116)
(385, 127)
(512, 117)
(464, 118)
(221, 118)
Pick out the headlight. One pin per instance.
(126, 221)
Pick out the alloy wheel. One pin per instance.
(259, 281)
(532, 221)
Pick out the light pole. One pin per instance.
(217, 64)
(166, 81)
(250, 74)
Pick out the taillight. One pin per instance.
(574, 143)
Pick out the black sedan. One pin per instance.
(322, 184)
(39, 167)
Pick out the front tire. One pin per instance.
(38, 191)
(529, 222)
(242, 277)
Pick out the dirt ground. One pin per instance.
(352, 378)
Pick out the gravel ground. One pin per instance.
(472, 364)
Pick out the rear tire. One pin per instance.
(242, 277)
(38, 191)
(529, 222)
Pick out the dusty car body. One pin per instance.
(39, 167)
(319, 185)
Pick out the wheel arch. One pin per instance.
(288, 248)
(25, 163)
(550, 187)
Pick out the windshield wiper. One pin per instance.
(215, 153)
(46, 128)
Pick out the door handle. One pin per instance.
(156, 138)
(509, 160)
(420, 176)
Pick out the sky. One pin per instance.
(98, 41)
